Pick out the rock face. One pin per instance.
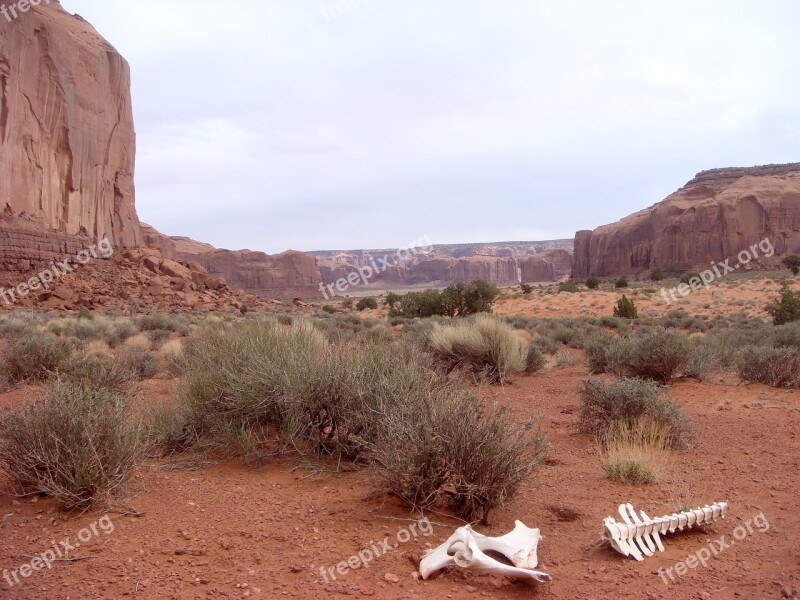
(715, 216)
(498, 263)
(288, 275)
(551, 265)
(67, 142)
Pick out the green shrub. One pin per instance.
(691, 275)
(484, 346)
(568, 286)
(625, 308)
(458, 299)
(366, 303)
(792, 262)
(77, 445)
(622, 282)
(32, 358)
(786, 309)
(526, 288)
(605, 405)
(593, 283)
(777, 367)
(656, 274)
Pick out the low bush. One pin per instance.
(98, 372)
(777, 367)
(593, 283)
(622, 282)
(77, 445)
(366, 303)
(604, 405)
(535, 361)
(447, 446)
(656, 355)
(568, 286)
(484, 346)
(656, 274)
(141, 363)
(32, 358)
(163, 321)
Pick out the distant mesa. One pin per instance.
(713, 217)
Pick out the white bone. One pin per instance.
(466, 548)
(518, 545)
(442, 556)
(474, 559)
(639, 534)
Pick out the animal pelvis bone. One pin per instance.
(640, 535)
(467, 549)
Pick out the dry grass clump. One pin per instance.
(482, 345)
(775, 366)
(636, 451)
(141, 340)
(604, 405)
(77, 445)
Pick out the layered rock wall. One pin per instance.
(715, 216)
(67, 141)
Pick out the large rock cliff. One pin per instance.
(67, 142)
(715, 216)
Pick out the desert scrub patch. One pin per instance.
(775, 366)
(604, 405)
(78, 445)
(167, 322)
(32, 358)
(482, 345)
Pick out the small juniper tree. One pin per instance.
(787, 308)
(593, 283)
(626, 308)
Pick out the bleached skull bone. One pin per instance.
(467, 548)
(639, 535)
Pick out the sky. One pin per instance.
(341, 124)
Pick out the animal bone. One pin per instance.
(640, 535)
(466, 548)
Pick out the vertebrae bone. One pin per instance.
(640, 535)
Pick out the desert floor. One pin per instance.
(230, 531)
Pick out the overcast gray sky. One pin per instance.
(328, 124)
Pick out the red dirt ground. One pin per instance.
(228, 531)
